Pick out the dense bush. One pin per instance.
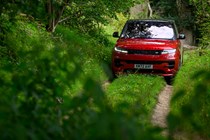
(51, 89)
(190, 106)
(92, 55)
(38, 75)
(31, 82)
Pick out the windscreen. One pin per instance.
(153, 30)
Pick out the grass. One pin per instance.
(190, 103)
(132, 89)
(192, 64)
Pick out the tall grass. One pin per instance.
(135, 89)
(190, 111)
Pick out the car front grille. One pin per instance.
(149, 62)
(145, 52)
(117, 62)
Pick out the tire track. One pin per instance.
(162, 108)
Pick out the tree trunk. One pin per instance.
(54, 15)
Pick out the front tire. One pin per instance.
(169, 79)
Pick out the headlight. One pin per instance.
(118, 49)
(168, 51)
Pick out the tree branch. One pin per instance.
(150, 9)
(64, 19)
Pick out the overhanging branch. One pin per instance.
(150, 9)
(66, 18)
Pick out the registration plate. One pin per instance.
(143, 66)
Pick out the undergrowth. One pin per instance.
(190, 106)
(51, 89)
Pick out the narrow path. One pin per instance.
(162, 108)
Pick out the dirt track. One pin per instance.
(161, 111)
(162, 108)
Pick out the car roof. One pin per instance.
(150, 20)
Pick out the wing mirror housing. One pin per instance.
(181, 36)
(116, 34)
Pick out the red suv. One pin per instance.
(148, 46)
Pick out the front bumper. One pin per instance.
(161, 64)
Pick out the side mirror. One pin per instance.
(116, 34)
(181, 36)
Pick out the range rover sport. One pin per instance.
(148, 46)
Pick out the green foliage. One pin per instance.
(91, 56)
(33, 87)
(32, 84)
(5, 26)
(190, 104)
(180, 11)
(118, 23)
(46, 90)
(85, 15)
(39, 99)
(96, 47)
(202, 21)
(191, 14)
(113, 26)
